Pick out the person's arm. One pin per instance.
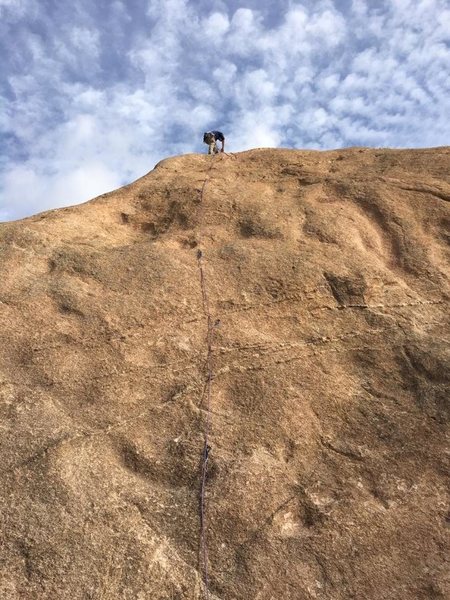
(223, 144)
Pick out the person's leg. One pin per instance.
(210, 142)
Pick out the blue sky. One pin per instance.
(93, 94)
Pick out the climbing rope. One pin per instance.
(206, 446)
(203, 550)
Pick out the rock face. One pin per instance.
(324, 279)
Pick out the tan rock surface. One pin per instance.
(329, 457)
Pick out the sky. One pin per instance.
(94, 94)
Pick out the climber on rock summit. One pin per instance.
(210, 138)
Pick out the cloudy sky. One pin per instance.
(93, 94)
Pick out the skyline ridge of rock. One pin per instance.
(328, 469)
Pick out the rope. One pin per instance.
(206, 446)
(203, 550)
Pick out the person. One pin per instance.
(211, 138)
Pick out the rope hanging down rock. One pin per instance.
(203, 550)
(206, 446)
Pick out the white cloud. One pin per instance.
(215, 25)
(62, 188)
(16, 9)
(85, 40)
(328, 27)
